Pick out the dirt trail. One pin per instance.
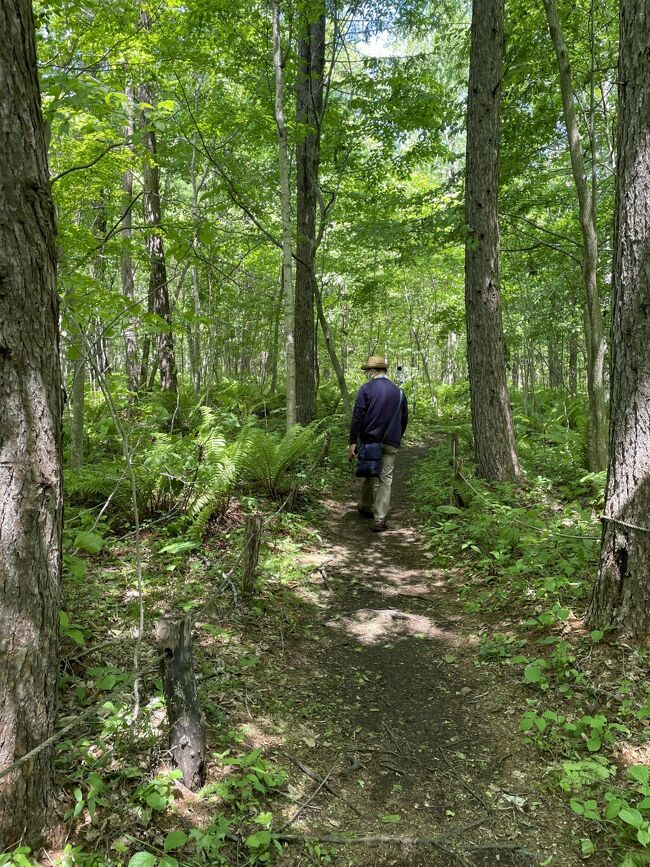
(394, 706)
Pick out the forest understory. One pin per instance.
(370, 704)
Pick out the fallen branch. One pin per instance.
(306, 803)
(318, 779)
(465, 785)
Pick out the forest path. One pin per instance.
(415, 737)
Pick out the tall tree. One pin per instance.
(494, 441)
(622, 592)
(126, 263)
(309, 112)
(30, 437)
(285, 205)
(158, 287)
(594, 336)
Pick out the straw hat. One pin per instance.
(375, 362)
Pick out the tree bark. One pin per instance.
(285, 206)
(77, 399)
(494, 441)
(30, 438)
(126, 265)
(593, 320)
(158, 288)
(309, 111)
(186, 720)
(331, 350)
(251, 554)
(622, 592)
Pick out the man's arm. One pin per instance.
(405, 414)
(356, 423)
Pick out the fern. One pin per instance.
(270, 457)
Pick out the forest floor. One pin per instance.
(358, 666)
(418, 740)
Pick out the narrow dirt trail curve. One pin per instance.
(403, 718)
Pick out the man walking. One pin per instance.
(380, 415)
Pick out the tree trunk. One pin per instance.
(593, 320)
(285, 205)
(158, 288)
(126, 266)
(309, 111)
(184, 714)
(30, 438)
(329, 343)
(77, 399)
(622, 592)
(251, 553)
(573, 364)
(276, 339)
(496, 454)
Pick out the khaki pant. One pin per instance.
(375, 492)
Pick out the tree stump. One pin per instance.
(252, 539)
(186, 721)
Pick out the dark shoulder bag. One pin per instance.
(369, 462)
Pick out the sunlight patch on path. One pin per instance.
(374, 625)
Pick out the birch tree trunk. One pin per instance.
(30, 438)
(593, 320)
(126, 264)
(285, 205)
(494, 441)
(309, 111)
(622, 592)
(158, 287)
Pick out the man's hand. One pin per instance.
(352, 452)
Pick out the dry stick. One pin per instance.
(465, 785)
(397, 755)
(304, 805)
(318, 779)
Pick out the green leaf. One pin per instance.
(532, 673)
(64, 620)
(174, 840)
(107, 682)
(142, 859)
(76, 635)
(391, 818)
(632, 817)
(596, 635)
(156, 801)
(259, 840)
(593, 745)
(640, 773)
(178, 547)
(643, 836)
(88, 541)
(587, 847)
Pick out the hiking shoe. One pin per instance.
(379, 527)
(365, 513)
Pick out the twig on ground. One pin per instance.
(306, 803)
(397, 755)
(465, 785)
(318, 779)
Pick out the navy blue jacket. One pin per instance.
(374, 409)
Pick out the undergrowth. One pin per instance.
(526, 559)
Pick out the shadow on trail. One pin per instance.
(402, 711)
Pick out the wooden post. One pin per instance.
(186, 721)
(252, 538)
